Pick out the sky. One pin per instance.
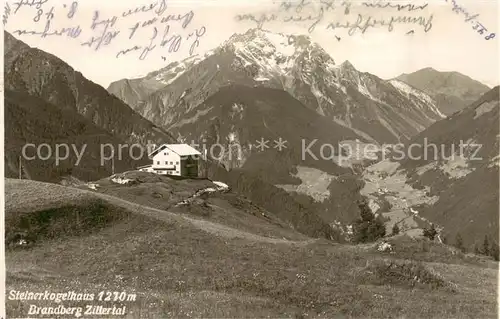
(450, 44)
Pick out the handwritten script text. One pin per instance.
(341, 15)
(149, 27)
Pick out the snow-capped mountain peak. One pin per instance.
(273, 53)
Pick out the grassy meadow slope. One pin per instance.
(234, 260)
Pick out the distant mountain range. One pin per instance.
(261, 85)
(378, 110)
(452, 91)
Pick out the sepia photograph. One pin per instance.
(250, 159)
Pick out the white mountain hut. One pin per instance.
(173, 159)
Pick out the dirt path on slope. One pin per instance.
(52, 195)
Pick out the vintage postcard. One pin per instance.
(250, 159)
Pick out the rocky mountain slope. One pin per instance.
(382, 111)
(44, 76)
(464, 171)
(447, 175)
(46, 101)
(238, 118)
(452, 91)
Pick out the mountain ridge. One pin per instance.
(44, 75)
(452, 90)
